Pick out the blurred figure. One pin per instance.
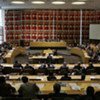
(6, 90)
(77, 69)
(42, 66)
(97, 95)
(51, 76)
(65, 77)
(89, 94)
(64, 69)
(49, 59)
(90, 69)
(28, 90)
(57, 95)
(17, 65)
(29, 69)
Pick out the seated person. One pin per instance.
(29, 68)
(90, 69)
(57, 92)
(77, 69)
(42, 66)
(51, 76)
(97, 95)
(6, 90)
(65, 77)
(17, 65)
(55, 52)
(90, 66)
(49, 59)
(50, 66)
(28, 90)
(64, 65)
(89, 94)
(1, 67)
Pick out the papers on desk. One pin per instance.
(39, 78)
(97, 85)
(92, 77)
(63, 84)
(40, 85)
(74, 86)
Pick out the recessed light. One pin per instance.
(38, 2)
(78, 3)
(18, 2)
(58, 2)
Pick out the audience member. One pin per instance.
(55, 52)
(28, 90)
(64, 68)
(57, 92)
(65, 77)
(6, 90)
(90, 69)
(89, 94)
(42, 66)
(97, 95)
(49, 59)
(51, 76)
(91, 66)
(29, 68)
(17, 65)
(77, 69)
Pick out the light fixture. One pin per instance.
(78, 3)
(17, 2)
(38, 2)
(58, 2)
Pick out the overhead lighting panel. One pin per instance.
(17, 2)
(78, 3)
(58, 2)
(38, 2)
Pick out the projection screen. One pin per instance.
(94, 31)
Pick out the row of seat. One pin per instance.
(9, 70)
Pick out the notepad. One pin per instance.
(97, 85)
(63, 84)
(74, 86)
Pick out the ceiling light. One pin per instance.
(78, 3)
(38, 2)
(58, 2)
(18, 2)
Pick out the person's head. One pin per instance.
(27, 64)
(16, 62)
(91, 64)
(24, 79)
(2, 79)
(79, 64)
(57, 88)
(64, 63)
(90, 91)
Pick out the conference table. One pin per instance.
(70, 87)
(42, 59)
(46, 45)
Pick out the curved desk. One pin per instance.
(9, 57)
(38, 45)
(70, 87)
(82, 53)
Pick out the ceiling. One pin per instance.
(90, 4)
